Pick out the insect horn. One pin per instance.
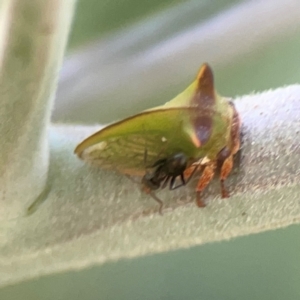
(205, 78)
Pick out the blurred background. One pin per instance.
(129, 55)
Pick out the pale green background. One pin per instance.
(99, 18)
(262, 266)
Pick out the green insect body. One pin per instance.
(198, 123)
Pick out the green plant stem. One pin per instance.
(93, 216)
(32, 43)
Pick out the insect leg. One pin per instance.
(226, 154)
(166, 180)
(225, 171)
(188, 173)
(173, 179)
(161, 204)
(182, 179)
(172, 183)
(206, 177)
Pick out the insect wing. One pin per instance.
(122, 145)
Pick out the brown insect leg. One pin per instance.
(158, 201)
(206, 177)
(225, 171)
(225, 156)
(188, 172)
(154, 197)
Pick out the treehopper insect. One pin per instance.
(198, 124)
